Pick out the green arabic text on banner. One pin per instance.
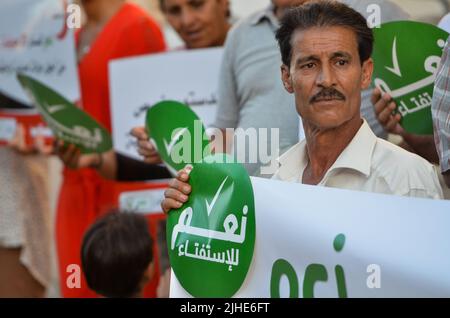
(178, 134)
(406, 56)
(68, 122)
(211, 238)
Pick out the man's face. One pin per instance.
(200, 23)
(326, 76)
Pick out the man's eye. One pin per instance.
(342, 62)
(308, 66)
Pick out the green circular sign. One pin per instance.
(211, 238)
(178, 134)
(406, 57)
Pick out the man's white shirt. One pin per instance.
(368, 164)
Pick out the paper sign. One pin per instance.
(189, 77)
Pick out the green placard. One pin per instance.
(66, 120)
(178, 134)
(406, 56)
(211, 238)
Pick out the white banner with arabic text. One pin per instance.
(389, 246)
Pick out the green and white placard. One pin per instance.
(178, 134)
(406, 56)
(211, 238)
(68, 122)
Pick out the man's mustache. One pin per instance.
(327, 93)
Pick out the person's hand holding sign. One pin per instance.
(178, 192)
(72, 158)
(145, 147)
(385, 110)
(39, 145)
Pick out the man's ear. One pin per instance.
(286, 78)
(366, 73)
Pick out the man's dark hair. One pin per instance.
(323, 14)
(116, 251)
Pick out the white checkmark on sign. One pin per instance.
(395, 65)
(55, 108)
(174, 140)
(209, 207)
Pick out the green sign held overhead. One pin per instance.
(406, 56)
(211, 238)
(178, 134)
(67, 121)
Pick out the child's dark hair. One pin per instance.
(116, 252)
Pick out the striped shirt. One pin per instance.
(440, 110)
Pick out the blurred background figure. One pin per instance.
(25, 220)
(113, 29)
(440, 110)
(201, 24)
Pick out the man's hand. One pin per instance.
(145, 147)
(384, 109)
(177, 193)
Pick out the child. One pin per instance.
(117, 256)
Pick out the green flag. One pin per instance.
(406, 56)
(67, 122)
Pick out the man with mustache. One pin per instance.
(326, 51)
(326, 48)
(250, 96)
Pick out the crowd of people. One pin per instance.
(296, 66)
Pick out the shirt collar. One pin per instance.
(356, 156)
(293, 162)
(267, 14)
